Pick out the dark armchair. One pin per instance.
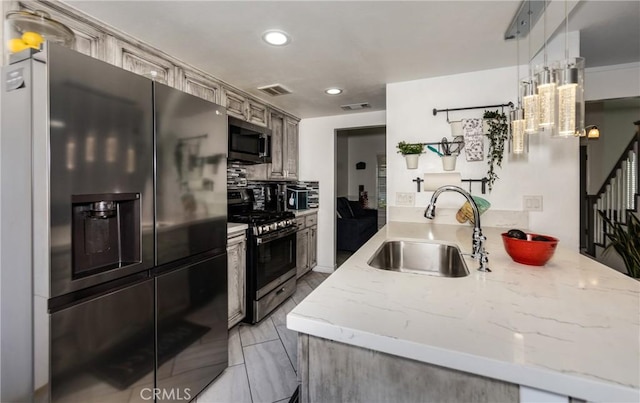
(355, 224)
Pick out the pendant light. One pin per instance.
(570, 91)
(517, 139)
(546, 87)
(530, 99)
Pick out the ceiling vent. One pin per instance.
(275, 90)
(355, 107)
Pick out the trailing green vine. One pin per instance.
(498, 134)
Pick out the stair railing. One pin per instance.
(617, 195)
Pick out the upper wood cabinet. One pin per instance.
(277, 146)
(291, 141)
(284, 147)
(146, 64)
(235, 103)
(195, 84)
(257, 112)
(244, 108)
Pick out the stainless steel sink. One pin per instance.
(435, 259)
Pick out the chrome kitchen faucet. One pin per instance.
(478, 252)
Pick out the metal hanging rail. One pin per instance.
(483, 181)
(435, 111)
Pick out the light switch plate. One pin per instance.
(532, 203)
(405, 199)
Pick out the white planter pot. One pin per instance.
(449, 162)
(412, 160)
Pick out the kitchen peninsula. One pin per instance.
(570, 328)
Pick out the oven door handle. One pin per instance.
(261, 240)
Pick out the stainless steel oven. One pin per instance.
(271, 270)
(271, 254)
(275, 259)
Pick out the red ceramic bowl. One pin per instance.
(534, 253)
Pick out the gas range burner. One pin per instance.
(264, 222)
(257, 217)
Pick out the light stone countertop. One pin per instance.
(235, 228)
(571, 327)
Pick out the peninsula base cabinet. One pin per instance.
(306, 244)
(329, 370)
(236, 266)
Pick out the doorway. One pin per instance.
(360, 168)
(600, 162)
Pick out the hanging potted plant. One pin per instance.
(498, 134)
(411, 153)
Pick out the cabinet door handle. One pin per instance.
(280, 291)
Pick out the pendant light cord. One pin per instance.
(530, 57)
(545, 33)
(518, 67)
(566, 31)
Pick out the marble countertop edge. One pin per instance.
(540, 378)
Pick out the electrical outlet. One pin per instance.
(532, 203)
(405, 199)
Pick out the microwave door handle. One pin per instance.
(266, 146)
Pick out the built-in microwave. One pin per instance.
(248, 142)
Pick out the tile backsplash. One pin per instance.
(236, 175)
(237, 178)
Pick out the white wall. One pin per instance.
(552, 168)
(615, 81)
(365, 148)
(317, 163)
(342, 166)
(616, 131)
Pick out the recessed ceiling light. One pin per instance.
(275, 37)
(333, 91)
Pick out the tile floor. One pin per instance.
(262, 357)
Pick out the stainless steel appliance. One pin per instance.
(271, 254)
(248, 142)
(114, 234)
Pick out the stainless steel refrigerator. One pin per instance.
(113, 208)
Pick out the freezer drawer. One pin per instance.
(102, 349)
(192, 335)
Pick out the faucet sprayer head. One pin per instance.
(430, 212)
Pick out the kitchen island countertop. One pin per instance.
(570, 327)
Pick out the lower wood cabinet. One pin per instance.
(236, 267)
(302, 252)
(313, 246)
(306, 244)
